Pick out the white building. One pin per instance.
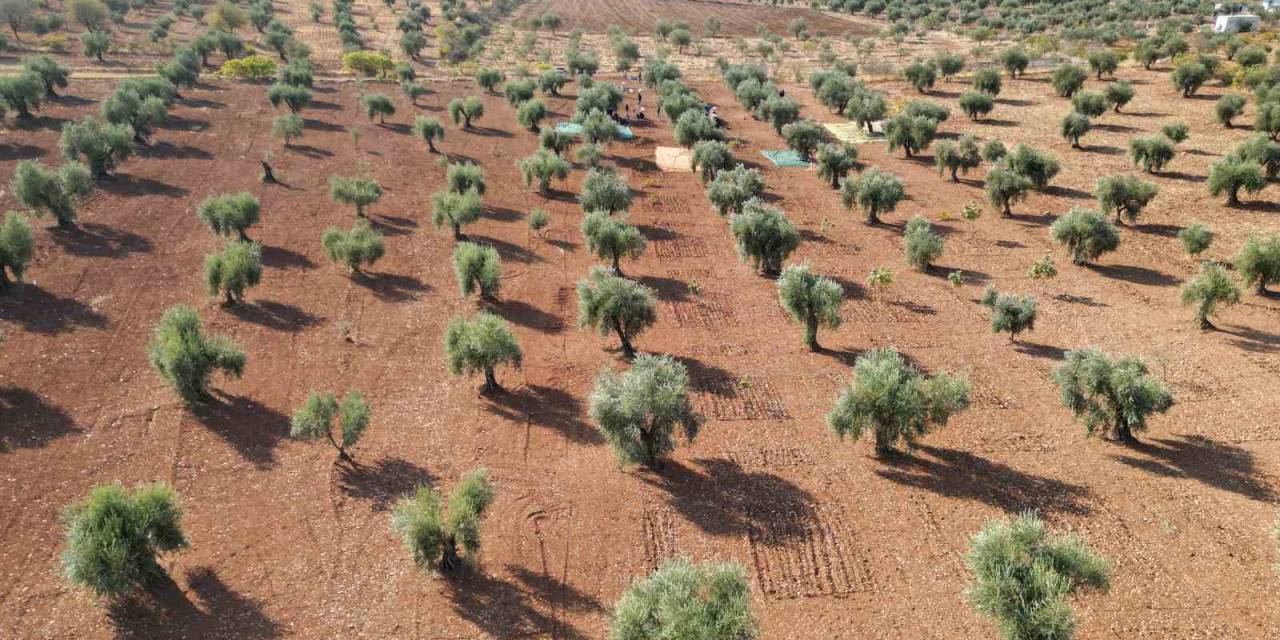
(1237, 23)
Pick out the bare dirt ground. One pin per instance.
(736, 18)
(838, 544)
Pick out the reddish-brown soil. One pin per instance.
(286, 542)
(736, 18)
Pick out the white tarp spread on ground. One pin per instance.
(673, 158)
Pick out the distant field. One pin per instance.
(736, 19)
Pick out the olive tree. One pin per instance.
(779, 111)
(987, 80)
(912, 134)
(866, 107)
(1113, 397)
(16, 247)
(1188, 77)
(236, 268)
(477, 267)
(377, 104)
(611, 238)
(1231, 175)
(894, 401)
(531, 113)
(1022, 578)
(429, 129)
(462, 177)
(731, 189)
(1074, 126)
(1067, 79)
(489, 79)
(921, 75)
(1151, 153)
(921, 244)
(1211, 287)
(1004, 187)
(976, 104)
(1010, 312)
(230, 213)
(22, 93)
(1086, 235)
(1196, 238)
(876, 192)
(1089, 103)
(609, 303)
(810, 299)
(694, 126)
(554, 141)
(480, 345)
(688, 601)
(186, 359)
(454, 210)
(1037, 166)
(1228, 108)
(359, 190)
(835, 161)
(294, 97)
(316, 418)
(434, 537)
(1104, 62)
(1118, 94)
(710, 157)
(957, 157)
(542, 166)
(138, 112)
(287, 127)
(764, 236)
(1258, 262)
(54, 75)
(1015, 61)
(114, 536)
(357, 248)
(605, 190)
(57, 192)
(102, 146)
(465, 111)
(518, 91)
(1125, 195)
(803, 137)
(640, 410)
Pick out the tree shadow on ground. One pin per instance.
(708, 378)
(723, 499)
(1046, 351)
(1218, 464)
(93, 240)
(547, 407)
(164, 612)
(29, 422)
(507, 250)
(282, 258)
(18, 151)
(1081, 300)
(502, 610)
(277, 316)
(960, 474)
(321, 125)
(168, 151)
(251, 428)
(383, 482)
(39, 311)
(131, 185)
(1135, 275)
(668, 289)
(526, 315)
(546, 588)
(390, 287)
(1253, 340)
(1070, 193)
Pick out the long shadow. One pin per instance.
(131, 185)
(668, 289)
(1014, 102)
(969, 275)
(321, 125)
(1115, 128)
(996, 122)
(654, 233)
(251, 428)
(309, 151)
(853, 290)
(48, 123)
(391, 287)
(1067, 192)
(19, 151)
(202, 103)
(1136, 275)
(846, 357)
(40, 311)
(321, 105)
(507, 250)
(395, 127)
(91, 239)
(1218, 464)
(1261, 206)
(502, 610)
(1083, 300)
(1046, 351)
(381, 225)
(382, 482)
(168, 151)
(277, 316)
(707, 378)
(1253, 340)
(72, 100)
(282, 258)
(546, 407)
(179, 123)
(960, 474)
(163, 611)
(1103, 149)
(639, 165)
(1183, 176)
(29, 422)
(490, 133)
(526, 315)
(1162, 230)
(502, 214)
(723, 499)
(546, 588)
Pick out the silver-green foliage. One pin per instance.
(876, 192)
(764, 235)
(57, 192)
(454, 210)
(434, 537)
(236, 268)
(607, 302)
(114, 535)
(1259, 261)
(230, 213)
(477, 267)
(611, 238)
(921, 244)
(1196, 238)
(731, 189)
(316, 419)
(186, 359)
(1009, 312)
(1022, 578)
(1111, 396)
(1211, 287)
(359, 247)
(16, 247)
(605, 190)
(810, 299)
(1086, 235)
(640, 410)
(479, 345)
(687, 601)
(894, 401)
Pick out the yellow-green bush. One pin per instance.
(369, 63)
(254, 67)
